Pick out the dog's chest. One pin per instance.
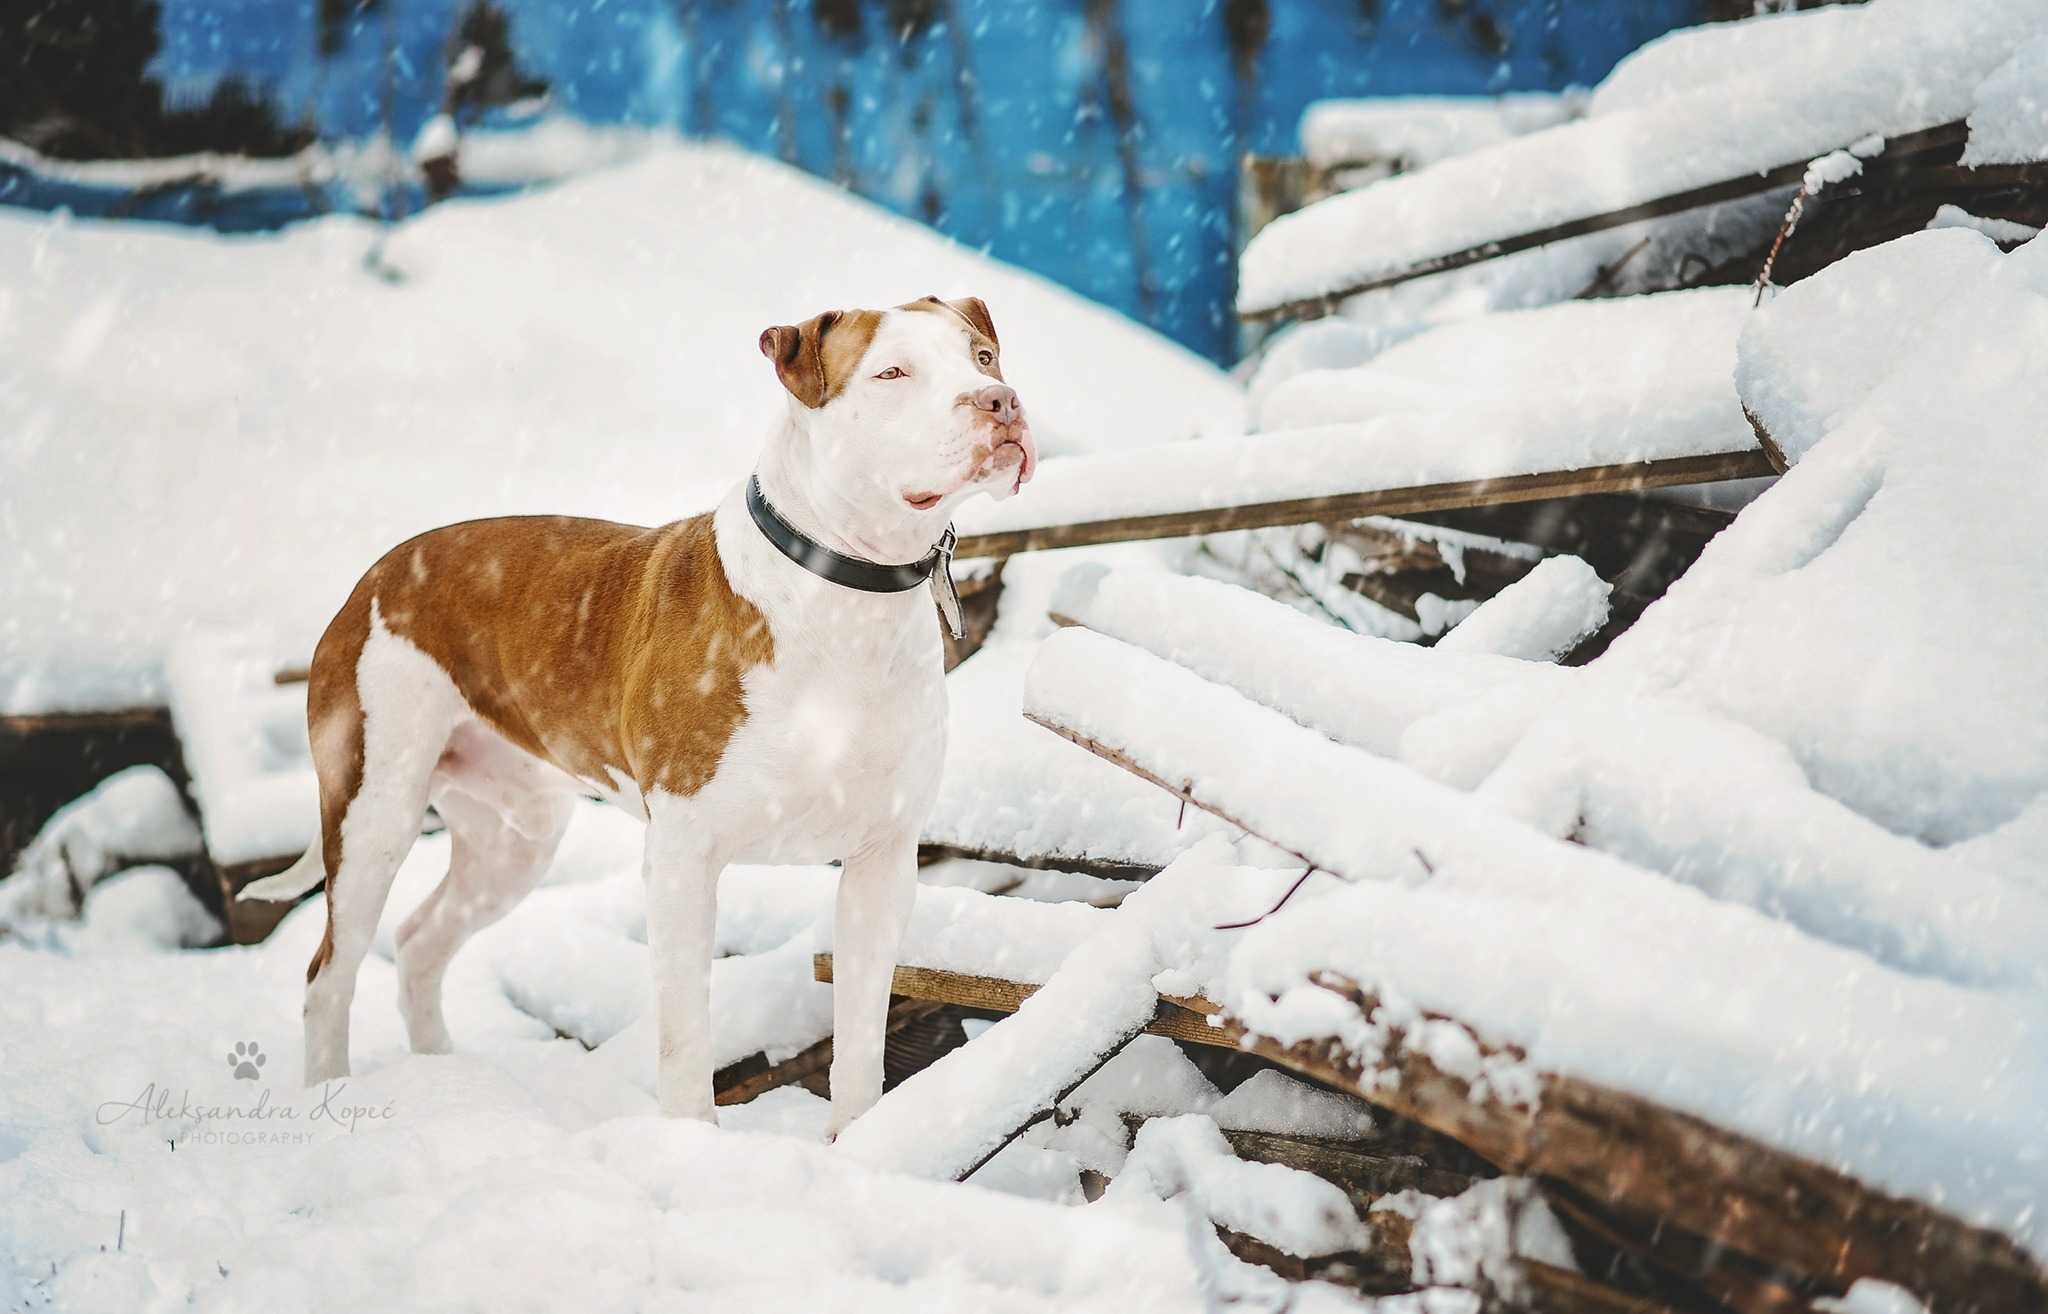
(841, 743)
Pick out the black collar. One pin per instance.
(853, 572)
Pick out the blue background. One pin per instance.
(991, 121)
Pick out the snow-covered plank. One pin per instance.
(1401, 465)
(949, 1119)
(1789, 1211)
(1540, 617)
(1803, 86)
(1525, 936)
(1355, 688)
(1013, 793)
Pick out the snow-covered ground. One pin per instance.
(202, 431)
(1778, 859)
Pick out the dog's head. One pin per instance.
(905, 410)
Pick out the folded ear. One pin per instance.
(975, 311)
(798, 351)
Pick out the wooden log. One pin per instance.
(1778, 1207)
(1628, 477)
(1906, 150)
(1182, 1019)
(1106, 869)
(737, 1083)
(1384, 1267)
(1363, 1174)
(1619, 1148)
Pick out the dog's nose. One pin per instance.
(999, 400)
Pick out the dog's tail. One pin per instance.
(290, 883)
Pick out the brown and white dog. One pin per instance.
(696, 674)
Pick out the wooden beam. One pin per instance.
(1617, 1147)
(929, 852)
(1181, 1018)
(737, 1083)
(1360, 1172)
(1768, 1203)
(1900, 151)
(1628, 477)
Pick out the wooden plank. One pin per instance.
(1776, 1206)
(1355, 1168)
(1900, 152)
(1182, 1019)
(1103, 868)
(1621, 1148)
(1628, 477)
(737, 1083)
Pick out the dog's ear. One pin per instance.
(975, 311)
(798, 351)
(816, 359)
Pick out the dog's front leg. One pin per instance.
(876, 887)
(682, 914)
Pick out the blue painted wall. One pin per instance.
(997, 122)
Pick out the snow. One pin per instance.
(1797, 89)
(942, 1120)
(1474, 1239)
(1879, 610)
(134, 815)
(1355, 688)
(239, 474)
(1010, 786)
(1593, 966)
(1540, 617)
(2005, 232)
(2009, 119)
(243, 737)
(425, 1181)
(143, 909)
(1294, 1210)
(1658, 363)
(1809, 358)
(1417, 130)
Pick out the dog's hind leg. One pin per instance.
(380, 712)
(506, 813)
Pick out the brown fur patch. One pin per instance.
(597, 647)
(815, 359)
(973, 312)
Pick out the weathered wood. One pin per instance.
(1105, 869)
(737, 1083)
(1899, 151)
(1363, 1174)
(1628, 477)
(252, 921)
(1181, 1018)
(1776, 1206)
(1625, 1150)
(1385, 1267)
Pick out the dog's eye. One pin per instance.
(894, 372)
(986, 357)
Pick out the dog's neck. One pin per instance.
(824, 511)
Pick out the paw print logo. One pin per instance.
(247, 1059)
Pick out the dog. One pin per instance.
(762, 683)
